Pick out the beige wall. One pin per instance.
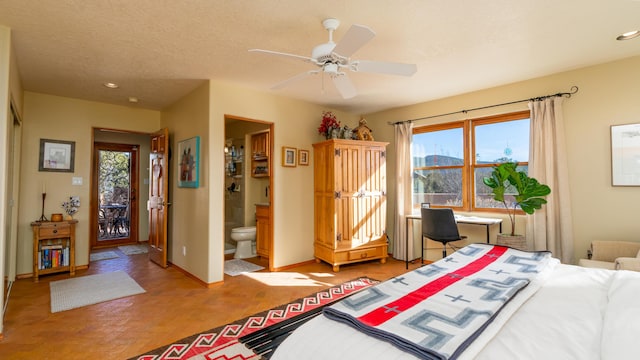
(189, 208)
(608, 95)
(54, 117)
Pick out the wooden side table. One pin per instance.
(54, 247)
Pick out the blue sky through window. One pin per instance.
(493, 141)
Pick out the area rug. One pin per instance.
(236, 267)
(134, 249)
(228, 341)
(105, 255)
(87, 290)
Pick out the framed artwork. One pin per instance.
(56, 155)
(625, 155)
(289, 156)
(303, 157)
(189, 162)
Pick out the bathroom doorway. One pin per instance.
(248, 181)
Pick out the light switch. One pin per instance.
(76, 180)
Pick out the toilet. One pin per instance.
(245, 238)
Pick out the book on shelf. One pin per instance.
(52, 256)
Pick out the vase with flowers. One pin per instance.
(329, 126)
(71, 206)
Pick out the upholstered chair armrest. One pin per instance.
(597, 264)
(628, 263)
(611, 250)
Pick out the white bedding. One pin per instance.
(578, 313)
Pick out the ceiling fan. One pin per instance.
(333, 58)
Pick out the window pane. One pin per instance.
(503, 141)
(484, 196)
(438, 187)
(438, 148)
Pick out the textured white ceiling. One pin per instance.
(159, 50)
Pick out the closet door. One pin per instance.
(373, 194)
(348, 182)
(324, 196)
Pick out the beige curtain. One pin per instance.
(551, 227)
(404, 169)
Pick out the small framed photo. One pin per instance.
(189, 162)
(303, 157)
(56, 155)
(289, 156)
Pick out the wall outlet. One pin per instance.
(184, 251)
(76, 180)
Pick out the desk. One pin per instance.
(472, 220)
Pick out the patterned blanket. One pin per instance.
(436, 311)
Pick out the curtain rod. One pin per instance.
(574, 89)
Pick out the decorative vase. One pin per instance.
(335, 133)
(68, 217)
(56, 217)
(517, 242)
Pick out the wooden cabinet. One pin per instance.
(260, 149)
(263, 230)
(350, 201)
(54, 247)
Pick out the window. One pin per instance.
(445, 174)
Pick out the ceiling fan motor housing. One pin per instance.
(323, 53)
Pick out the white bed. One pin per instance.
(575, 313)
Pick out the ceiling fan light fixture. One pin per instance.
(629, 35)
(331, 69)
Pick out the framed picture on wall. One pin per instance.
(625, 155)
(303, 157)
(56, 155)
(189, 162)
(289, 156)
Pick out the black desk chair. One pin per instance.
(439, 225)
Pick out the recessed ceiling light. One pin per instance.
(133, 99)
(111, 85)
(629, 35)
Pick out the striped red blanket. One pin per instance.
(436, 311)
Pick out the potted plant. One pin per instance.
(529, 196)
(329, 126)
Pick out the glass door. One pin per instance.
(114, 217)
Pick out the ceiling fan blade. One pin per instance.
(300, 57)
(344, 86)
(300, 76)
(384, 67)
(354, 39)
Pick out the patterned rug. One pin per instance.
(228, 341)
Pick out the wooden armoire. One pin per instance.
(350, 205)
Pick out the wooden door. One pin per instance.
(158, 196)
(263, 231)
(348, 184)
(324, 195)
(373, 190)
